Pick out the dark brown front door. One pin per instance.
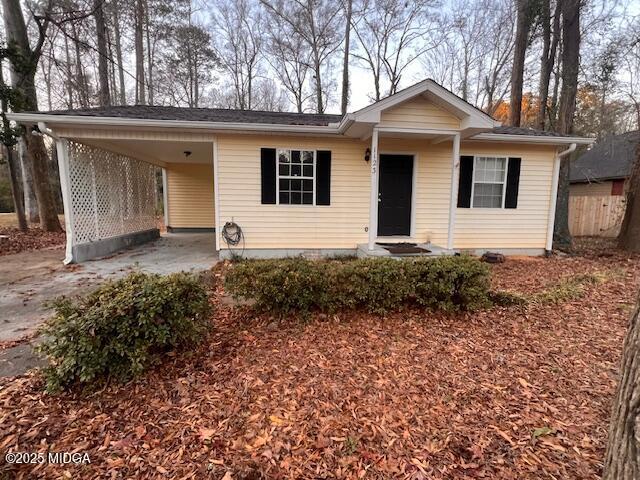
(395, 183)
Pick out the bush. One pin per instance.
(375, 284)
(122, 328)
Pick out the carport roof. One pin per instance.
(155, 112)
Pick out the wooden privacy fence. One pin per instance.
(596, 216)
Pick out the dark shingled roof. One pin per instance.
(148, 112)
(610, 158)
(505, 130)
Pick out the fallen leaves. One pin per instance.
(33, 239)
(505, 393)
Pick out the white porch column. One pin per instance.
(165, 197)
(216, 194)
(453, 200)
(373, 200)
(62, 147)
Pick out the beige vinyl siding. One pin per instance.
(591, 189)
(419, 113)
(523, 227)
(343, 223)
(190, 195)
(339, 225)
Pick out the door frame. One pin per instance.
(414, 184)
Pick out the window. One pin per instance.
(489, 181)
(296, 177)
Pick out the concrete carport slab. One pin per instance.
(28, 280)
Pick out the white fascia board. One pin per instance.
(86, 120)
(539, 139)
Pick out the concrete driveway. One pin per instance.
(28, 280)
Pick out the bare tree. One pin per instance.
(622, 459)
(523, 28)
(315, 22)
(550, 39)
(392, 35)
(570, 70)
(118, 50)
(24, 65)
(104, 94)
(348, 10)
(139, 52)
(629, 237)
(239, 45)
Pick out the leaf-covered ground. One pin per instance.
(517, 392)
(35, 238)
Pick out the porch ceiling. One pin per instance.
(159, 152)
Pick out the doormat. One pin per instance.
(403, 248)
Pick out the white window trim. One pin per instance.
(504, 181)
(289, 177)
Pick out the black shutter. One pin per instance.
(513, 183)
(466, 179)
(268, 175)
(323, 177)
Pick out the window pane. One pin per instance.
(307, 198)
(296, 198)
(296, 185)
(283, 156)
(284, 170)
(295, 156)
(307, 185)
(296, 170)
(490, 169)
(307, 156)
(284, 198)
(487, 195)
(307, 170)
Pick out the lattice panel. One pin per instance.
(111, 194)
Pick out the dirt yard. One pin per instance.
(510, 393)
(12, 240)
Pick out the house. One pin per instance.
(605, 169)
(421, 166)
(599, 181)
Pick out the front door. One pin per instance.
(394, 195)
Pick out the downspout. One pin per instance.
(554, 195)
(62, 147)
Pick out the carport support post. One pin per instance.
(62, 148)
(373, 201)
(453, 200)
(165, 198)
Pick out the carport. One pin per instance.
(109, 180)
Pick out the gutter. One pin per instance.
(539, 139)
(87, 120)
(554, 195)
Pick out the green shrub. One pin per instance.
(375, 284)
(452, 283)
(122, 328)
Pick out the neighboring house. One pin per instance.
(605, 168)
(599, 180)
(421, 166)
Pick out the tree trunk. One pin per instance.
(82, 84)
(622, 460)
(16, 189)
(139, 48)
(345, 63)
(570, 66)
(23, 80)
(30, 202)
(149, 54)
(629, 237)
(118, 47)
(550, 39)
(103, 54)
(517, 72)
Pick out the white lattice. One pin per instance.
(111, 194)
